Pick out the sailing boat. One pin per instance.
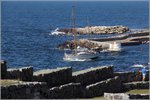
(79, 55)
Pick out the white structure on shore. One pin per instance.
(114, 47)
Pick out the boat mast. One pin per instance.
(88, 25)
(73, 29)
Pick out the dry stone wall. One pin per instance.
(61, 83)
(26, 90)
(131, 76)
(112, 85)
(136, 85)
(92, 75)
(54, 77)
(67, 91)
(24, 73)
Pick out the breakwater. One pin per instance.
(99, 44)
(97, 30)
(62, 83)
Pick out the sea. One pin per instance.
(26, 28)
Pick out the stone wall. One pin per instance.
(147, 76)
(3, 69)
(26, 90)
(92, 75)
(136, 85)
(123, 96)
(131, 76)
(139, 96)
(24, 73)
(54, 77)
(111, 85)
(67, 91)
(87, 83)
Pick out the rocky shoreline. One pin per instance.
(97, 30)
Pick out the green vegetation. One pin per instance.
(137, 91)
(99, 98)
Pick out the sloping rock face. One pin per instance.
(98, 30)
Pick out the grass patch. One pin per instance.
(99, 98)
(138, 91)
(7, 82)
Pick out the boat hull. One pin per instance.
(80, 57)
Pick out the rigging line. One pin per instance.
(74, 31)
